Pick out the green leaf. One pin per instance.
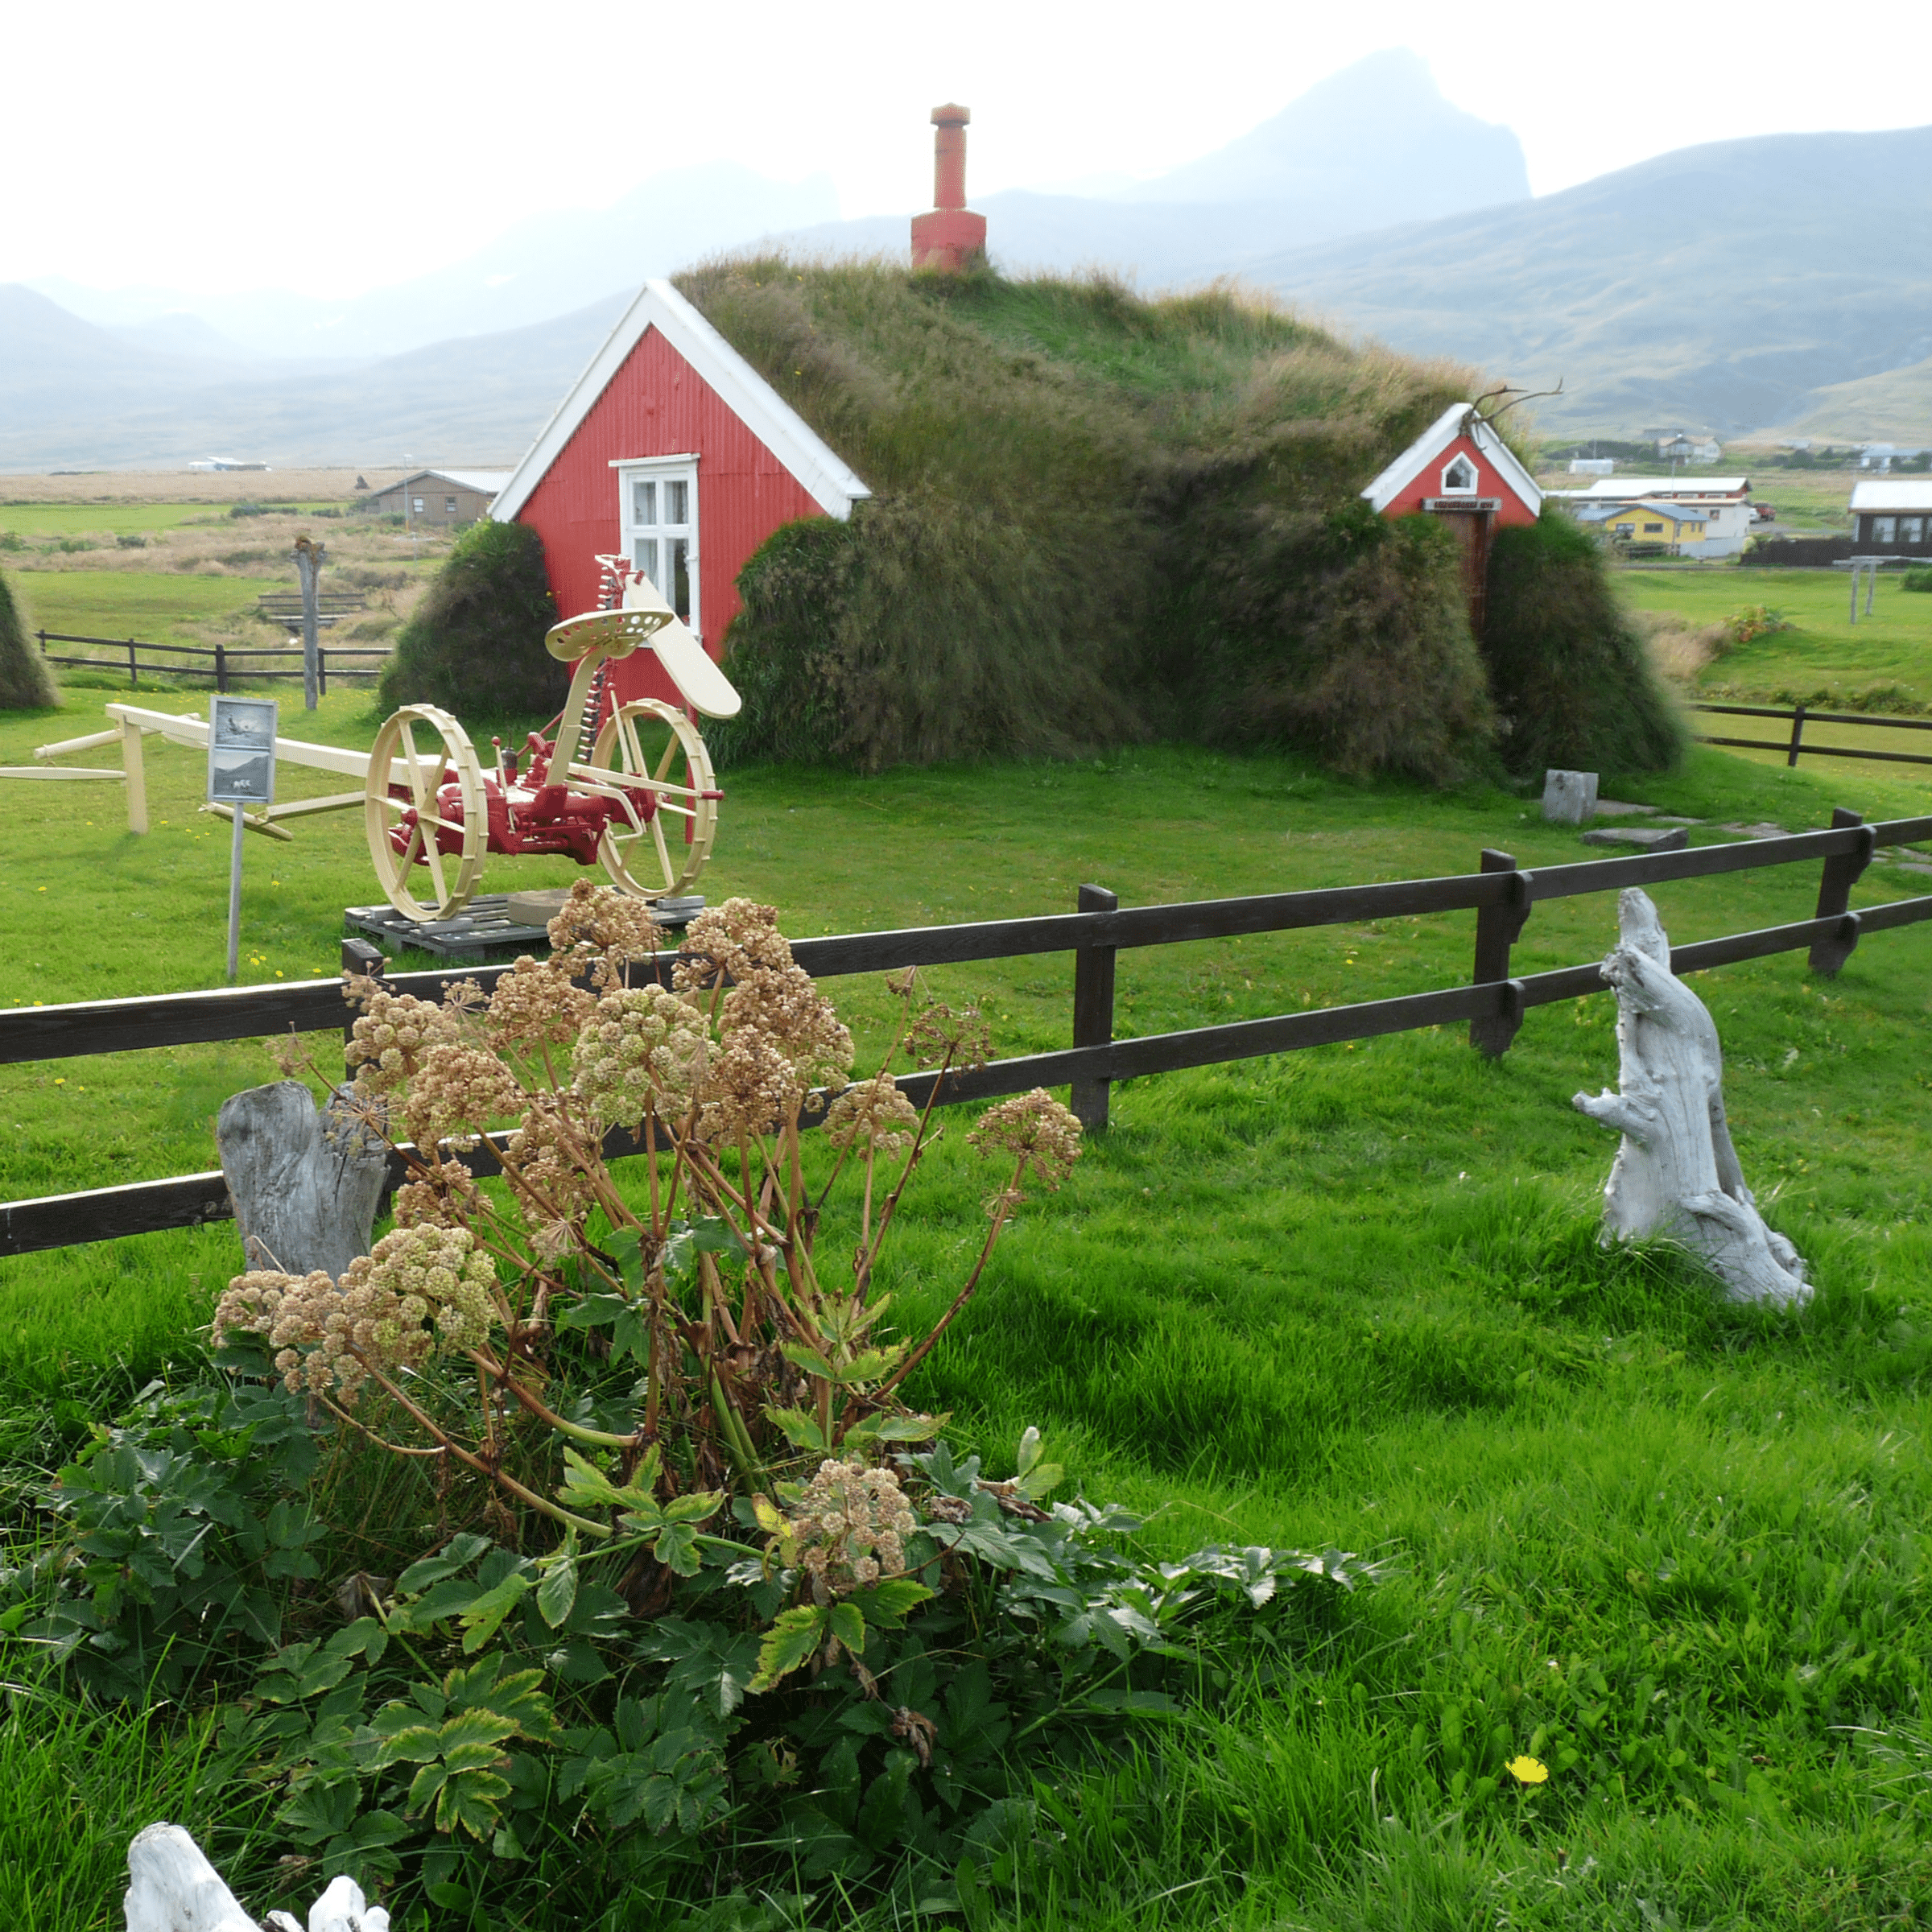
(808, 1359)
(800, 1429)
(794, 1634)
(909, 1428)
(848, 1626)
(627, 1246)
(1030, 1451)
(587, 1487)
(700, 1504)
(458, 1554)
(677, 1548)
(482, 1619)
(413, 1744)
(472, 1800)
(557, 1592)
(887, 1604)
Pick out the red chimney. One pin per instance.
(951, 235)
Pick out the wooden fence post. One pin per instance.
(1496, 930)
(133, 668)
(135, 766)
(1835, 882)
(220, 668)
(1798, 735)
(1093, 1008)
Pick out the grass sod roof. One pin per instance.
(1096, 518)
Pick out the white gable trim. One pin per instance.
(830, 483)
(1458, 418)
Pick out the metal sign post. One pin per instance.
(241, 773)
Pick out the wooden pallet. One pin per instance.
(483, 930)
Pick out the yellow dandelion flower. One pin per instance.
(1528, 1771)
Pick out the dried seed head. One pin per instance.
(640, 1051)
(1036, 1130)
(940, 1037)
(848, 1527)
(873, 1113)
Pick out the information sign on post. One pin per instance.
(241, 773)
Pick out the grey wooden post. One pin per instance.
(1871, 585)
(1497, 930)
(1835, 882)
(1093, 1009)
(308, 564)
(1798, 735)
(1854, 591)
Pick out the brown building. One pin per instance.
(1892, 518)
(441, 499)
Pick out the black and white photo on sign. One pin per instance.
(241, 751)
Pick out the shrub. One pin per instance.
(475, 645)
(25, 684)
(1918, 579)
(1569, 673)
(1753, 621)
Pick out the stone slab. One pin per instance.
(1569, 797)
(1622, 808)
(1641, 838)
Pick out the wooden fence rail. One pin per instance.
(228, 658)
(1502, 895)
(1798, 717)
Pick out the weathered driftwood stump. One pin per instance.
(1677, 1172)
(306, 1184)
(172, 1887)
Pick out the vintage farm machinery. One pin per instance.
(627, 784)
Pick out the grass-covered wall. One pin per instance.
(1099, 518)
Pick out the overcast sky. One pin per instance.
(218, 146)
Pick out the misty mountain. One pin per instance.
(549, 266)
(72, 396)
(1718, 286)
(1373, 146)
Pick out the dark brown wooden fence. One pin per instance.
(1793, 744)
(225, 661)
(1502, 895)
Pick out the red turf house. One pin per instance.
(1459, 469)
(672, 449)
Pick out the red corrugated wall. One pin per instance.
(1489, 482)
(658, 405)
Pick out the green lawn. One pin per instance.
(1824, 651)
(1348, 1296)
(88, 520)
(152, 606)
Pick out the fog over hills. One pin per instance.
(1720, 285)
(1734, 285)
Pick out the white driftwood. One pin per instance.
(172, 1887)
(1676, 1171)
(305, 1184)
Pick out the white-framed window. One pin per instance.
(449, 506)
(1653, 529)
(657, 511)
(1909, 529)
(418, 502)
(1882, 529)
(1458, 477)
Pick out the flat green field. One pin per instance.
(120, 519)
(152, 605)
(1824, 652)
(1349, 1296)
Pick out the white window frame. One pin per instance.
(1461, 489)
(662, 470)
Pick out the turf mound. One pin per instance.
(1095, 519)
(475, 644)
(1570, 674)
(25, 684)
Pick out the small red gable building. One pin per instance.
(673, 450)
(1459, 469)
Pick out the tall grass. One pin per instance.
(25, 684)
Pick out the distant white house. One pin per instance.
(1678, 448)
(1593, 466)
(210, 463)
(1723, 502)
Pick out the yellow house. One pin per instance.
(1679, 526)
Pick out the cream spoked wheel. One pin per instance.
(418, 754)
(651, 758)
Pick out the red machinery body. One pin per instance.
(527, 815)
